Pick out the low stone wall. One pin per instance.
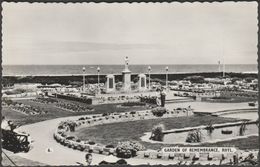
(83, 145)
(184, 156)
(61, 137)
(87, 146)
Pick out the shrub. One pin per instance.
(110, 146)
(157, 132)
(150, 99)
(71, 138)
(194, 136)
(121, 162)
(63, 134)
(91, 142)
(128, 149)
(132, 112)
(8, 101)
(81, 118)
(158, 111)
(105, 114)
(68, 123)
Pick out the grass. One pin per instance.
(228, 99)
(251, 142)
(115, 132)
(54, 112)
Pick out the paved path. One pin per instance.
(42, 134)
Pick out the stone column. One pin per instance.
(110, 84)
(126, 76)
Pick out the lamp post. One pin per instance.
(149, 72)
(224, 69)
(167, 69)
(83, 70)
(98, 70)
(219, 68)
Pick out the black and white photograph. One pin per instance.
(129, 83)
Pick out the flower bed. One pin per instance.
(74, 107)
(74, 98)
(149, 99)
(128, 149)
(25, 109)
(159, 111)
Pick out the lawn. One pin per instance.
(54, 112)
(115, 132)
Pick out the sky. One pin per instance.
(148, 33)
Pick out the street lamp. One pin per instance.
(219, 67)
(98, 70)
(167, 69)
(83, 70)
(149, 72)
(224, 69)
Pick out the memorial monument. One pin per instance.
(142, 82)
(110, 84)
(126, 77)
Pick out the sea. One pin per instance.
(42, 70)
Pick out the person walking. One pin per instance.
(88, 160)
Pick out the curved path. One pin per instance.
(42, 134)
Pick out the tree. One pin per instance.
(249, 79)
